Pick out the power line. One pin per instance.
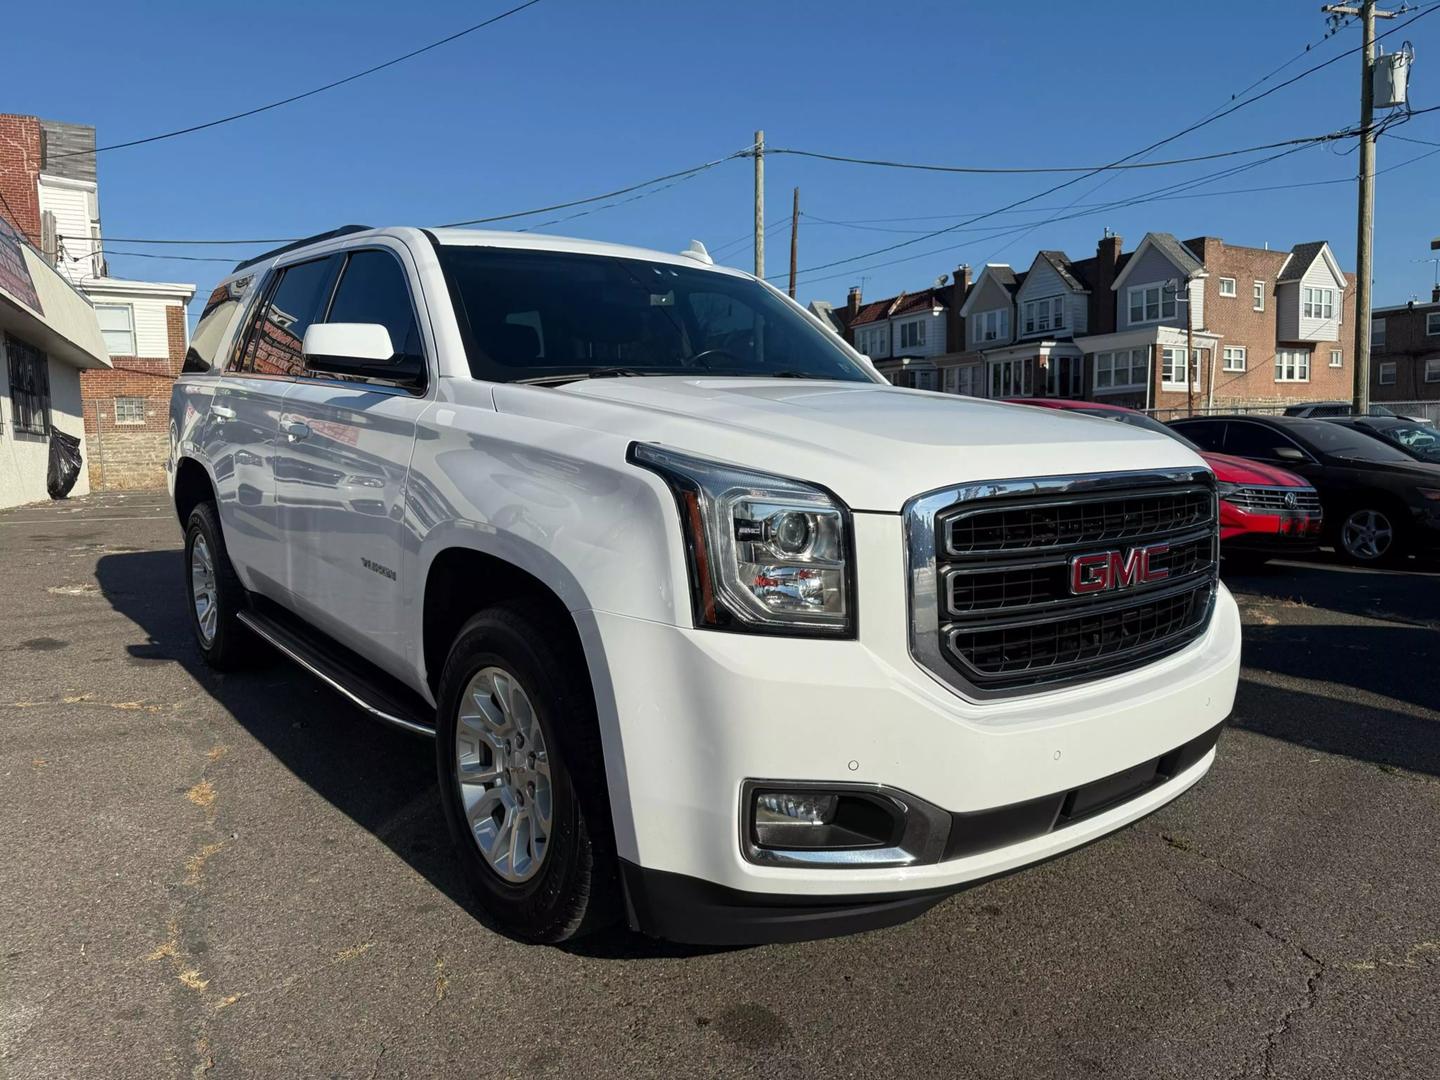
(985, 170)
(1144, 150)
(308, 93)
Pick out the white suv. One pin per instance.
(716, 631)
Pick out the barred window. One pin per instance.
(29, 387)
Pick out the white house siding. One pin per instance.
(934, 335)
(73, 204)
(1042, 281)
(1197, 304)
(25, 459)
(1291, 323)
(152, 336)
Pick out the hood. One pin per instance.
(874, 445)
(1235, 470)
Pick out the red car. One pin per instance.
(1264, 511)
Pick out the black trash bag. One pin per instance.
(65, 462)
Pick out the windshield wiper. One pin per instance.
(595, 373)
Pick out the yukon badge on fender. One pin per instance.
(1108, 570)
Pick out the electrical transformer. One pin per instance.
(1390, 76)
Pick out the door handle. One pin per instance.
(224, 412)
(295, 430)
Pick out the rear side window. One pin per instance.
(1254, 441)
(297, 299)
(1206, 434)
(372, 289)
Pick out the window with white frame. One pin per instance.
(1432, 323)
(1432, 369)
(1011, 378)
(1257, 293)
(1151, 303)
(1123, 370)
(117, 327)
(1046, 314)
(992, 325)
(1292, 365)
(972, 381)
(912, 334)
(1377, 333)
(1233, 358)
(129, 410)
(1227, 286)
(1387, 374)
(1174, 370)
(1337, 358)
(1065, 376)
(1318, 303)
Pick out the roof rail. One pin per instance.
(343, 230)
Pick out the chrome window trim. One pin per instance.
(918, 517)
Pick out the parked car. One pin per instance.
(715, 630)
(1420, 442)
(1313, 410)
(1379, 502)
(1265, 511)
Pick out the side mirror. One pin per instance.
(1284, 453)
(362, 349)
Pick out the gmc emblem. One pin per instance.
(1106, 570)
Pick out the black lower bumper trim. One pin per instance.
(686, 909)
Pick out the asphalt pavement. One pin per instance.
(236, 876)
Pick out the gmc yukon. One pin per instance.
(715, 632)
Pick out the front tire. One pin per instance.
(215, 593)
(522, 780)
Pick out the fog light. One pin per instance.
(821, 820)
(793, 808)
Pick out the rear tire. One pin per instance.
(1371, 535)
(522, 778)
(215, 593)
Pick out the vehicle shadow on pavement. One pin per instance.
(383, 779)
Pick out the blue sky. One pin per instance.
(571, 98)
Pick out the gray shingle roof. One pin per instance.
(1176, 252)
(1301, 258)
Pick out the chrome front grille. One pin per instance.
(999, 606)
(1275, 500)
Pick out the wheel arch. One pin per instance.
(192, 487)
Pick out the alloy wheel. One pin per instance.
(1367, 535)
(203, 592)
(503, 770)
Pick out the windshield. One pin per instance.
(1140, 420)
(543, 315)
(1422, 442)
(1344, 442)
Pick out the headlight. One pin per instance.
(766, 554)
(1224, 489)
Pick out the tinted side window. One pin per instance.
(372, 289)
(1206, 434)
(1254, 441)
(296, 301)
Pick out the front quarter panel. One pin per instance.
(559, 503)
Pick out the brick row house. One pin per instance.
(142, 324)
(1405, 351)
(1172, 325)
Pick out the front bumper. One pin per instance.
(688, 716)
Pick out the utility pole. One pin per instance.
(759, 204)
(794, 240)
(1365, 224)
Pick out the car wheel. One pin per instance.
(1370, 536)
(522, 778)
(216, 595)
